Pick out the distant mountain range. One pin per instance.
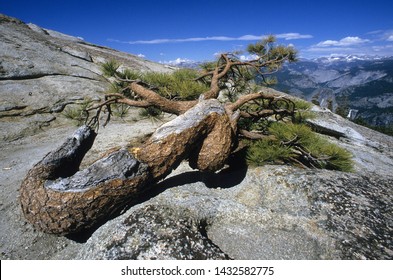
(361, 86)
(358, 86)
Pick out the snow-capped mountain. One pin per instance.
(182, 63)
(341, 83)
(347, 58)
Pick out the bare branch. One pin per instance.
(254, 135)
(244, 99)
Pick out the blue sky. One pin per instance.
(197, 30)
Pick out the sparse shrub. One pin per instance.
(179, 85)
(302, 112)
(115, 87)
(130, 74)
(110, 67)
(301, 104)
(266, 151)
(297, 144)
(120, 110)
(153, 113)
(77, 112)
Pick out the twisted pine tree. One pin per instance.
(215, 107)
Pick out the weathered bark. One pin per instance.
(216, 147)
(204, 126)
(61, 205)
(56, 198)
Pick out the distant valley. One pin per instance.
(357, 85)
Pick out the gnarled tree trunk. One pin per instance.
(57, 198)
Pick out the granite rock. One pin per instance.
(41, 70)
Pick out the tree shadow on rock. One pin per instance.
(228, 177)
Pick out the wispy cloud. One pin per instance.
(344, 42)
(248, 57)
(381, 35)
(377, 43)
(285, 36)
(293, 36)
(374, 32)
(388, 36)
(385, 48)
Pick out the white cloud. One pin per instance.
(375, 42)
(248, 37)
(345, 42)
(248, 57)
(141, 55)
(177, 61)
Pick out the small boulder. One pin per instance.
(152, 232)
